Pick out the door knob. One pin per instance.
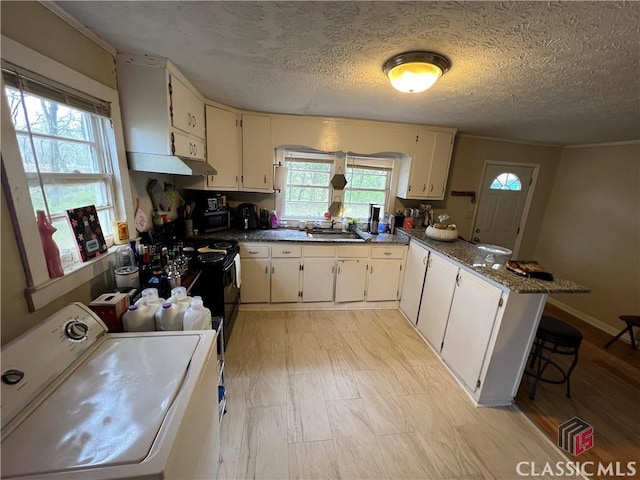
(477, 230)
(476, 239)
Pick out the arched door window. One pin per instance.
(506, 181)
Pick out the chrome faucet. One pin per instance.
(333, 222)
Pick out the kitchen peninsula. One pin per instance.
(479, 317)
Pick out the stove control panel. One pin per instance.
(34, 360)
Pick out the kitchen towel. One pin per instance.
(237, 262)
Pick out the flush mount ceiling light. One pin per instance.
(413, 72)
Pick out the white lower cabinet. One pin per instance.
(351, 280)
(318, 279)
(256, 280)
(285, 280)
(437, 294)
(384, 280)
(414, 271)
(471, 320)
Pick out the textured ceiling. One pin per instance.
(559, 73)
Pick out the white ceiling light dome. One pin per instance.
(414, 72)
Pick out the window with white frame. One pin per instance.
(66, 142)
(368, 181)
(307, 190)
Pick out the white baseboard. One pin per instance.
(247, 307)
(605, 327)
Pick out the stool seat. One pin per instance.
(553, 337)
(631, 321)
(558, 332)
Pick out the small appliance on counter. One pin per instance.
(264, 222)
(247, 216)
(374, 218)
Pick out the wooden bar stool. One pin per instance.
(631, 321)
(553, 337)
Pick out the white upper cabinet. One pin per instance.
(223, 152)
(257, 154)
(424, 176)
(187, 110)
(161, 112)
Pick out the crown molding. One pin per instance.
(607, 144)
(508, 140)
(64, 15)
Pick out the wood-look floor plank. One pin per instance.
(404, 457)
(304, 354)
(357, 452)
(233, 425)
(268, 381)
(337, 379)
(264, 453)
(385, 413)
(306, 409)
(313, 460)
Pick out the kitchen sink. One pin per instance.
(334, 235)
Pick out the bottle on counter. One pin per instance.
(182, 301)
(274, 219)
(139, 318)
(168, 317)
(197, 317)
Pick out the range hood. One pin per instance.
(170, 164)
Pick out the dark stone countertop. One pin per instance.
(472, 257)
(291, 235)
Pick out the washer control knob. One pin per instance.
(76, 330)
(13, 376)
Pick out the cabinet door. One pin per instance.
(421, 165)
(285, 280)
(257, 154)
(414, 271)
(198, 121)
(180, 103)
(318, 279)
(384, 280)
(222, 148)
(255, 280)
(187, 146)
(440, 165)
(351, 278)
(437, 294)
(471, 319)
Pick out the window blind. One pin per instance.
(38, 85)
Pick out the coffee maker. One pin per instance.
(247, 216)
(264, 222)
(374, 218)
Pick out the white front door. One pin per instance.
(502, 200)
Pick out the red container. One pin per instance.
(110, 307)
(408, 222)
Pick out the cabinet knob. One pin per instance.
(265, 179)
(424, 187)
(188, 119)
(194, 120)
(409, 189)
(431, 189)
(266, 270)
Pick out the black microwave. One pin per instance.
(212, 221)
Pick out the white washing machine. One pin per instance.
(78, 402)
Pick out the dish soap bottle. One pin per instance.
(274, 219)
(51, 251)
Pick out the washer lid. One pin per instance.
(107, 412)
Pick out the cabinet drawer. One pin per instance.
(285, 251)
(353, 251)
(387, 252)
(254, 251)
(317, 251)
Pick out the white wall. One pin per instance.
(591, 230)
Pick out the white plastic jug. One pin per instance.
(182, 301)
(168, 317)
(197, 317)
(149, 296)
(148, 304)
(135, 320)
